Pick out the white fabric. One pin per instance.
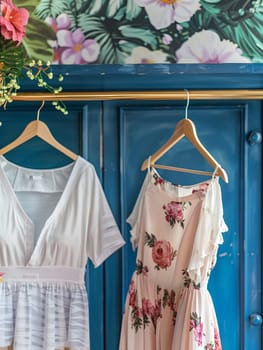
(43, 273)
(50, 219)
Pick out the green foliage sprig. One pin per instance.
(19, 61)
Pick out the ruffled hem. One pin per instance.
(44, 316)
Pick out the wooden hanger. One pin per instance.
(40, 129)
(186, 127)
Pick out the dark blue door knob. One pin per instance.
(254, 137)
(255, 319)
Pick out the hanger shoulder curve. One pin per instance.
(186, 128)
(40, 129)
(29, 132)
(177, 135)
(45, 134)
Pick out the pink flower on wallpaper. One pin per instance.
(162, 13)
(207, 47)
(13, 21)
(77, 50)
(61, 22)
(167, 39)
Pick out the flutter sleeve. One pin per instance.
(210, 228)
(134, 218)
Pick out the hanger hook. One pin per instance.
(187, 104)
(39, 109)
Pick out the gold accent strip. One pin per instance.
(241, 94)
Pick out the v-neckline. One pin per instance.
(22, 211)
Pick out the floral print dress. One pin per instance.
(177, 230)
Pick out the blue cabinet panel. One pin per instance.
(222, 128)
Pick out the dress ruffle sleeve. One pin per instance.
(135, 215)
(209, 231)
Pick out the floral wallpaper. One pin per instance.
(149, 31)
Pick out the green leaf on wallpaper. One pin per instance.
(120, 14)
(77, 4)
(51, 8)
(127, 12)
(132, 10)
(127, 47)
(210, 8)
(91, 25)
(145, 36)
(35, 42)
(109, 51)
(30, 5)
(106, 32)
(246, 33)
(112, 7)
(224, 6)
(94, 6)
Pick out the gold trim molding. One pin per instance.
(241, 94)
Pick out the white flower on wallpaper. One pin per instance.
(207, 47)
(141, 55)
(162, 13)
(152, 31)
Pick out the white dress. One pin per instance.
(51, 222)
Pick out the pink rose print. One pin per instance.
(13, 21)
(217, 340)
(198, 332)
(192, 324)
(158, 180)
(147, 307)
(145, 312)
(197, 327)
(188, 281)
(168, 299)
(162, 254)
(132, 293)
(157, 312)
(140, 268)
(201, 188)
(174, 213)
(162, 251)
